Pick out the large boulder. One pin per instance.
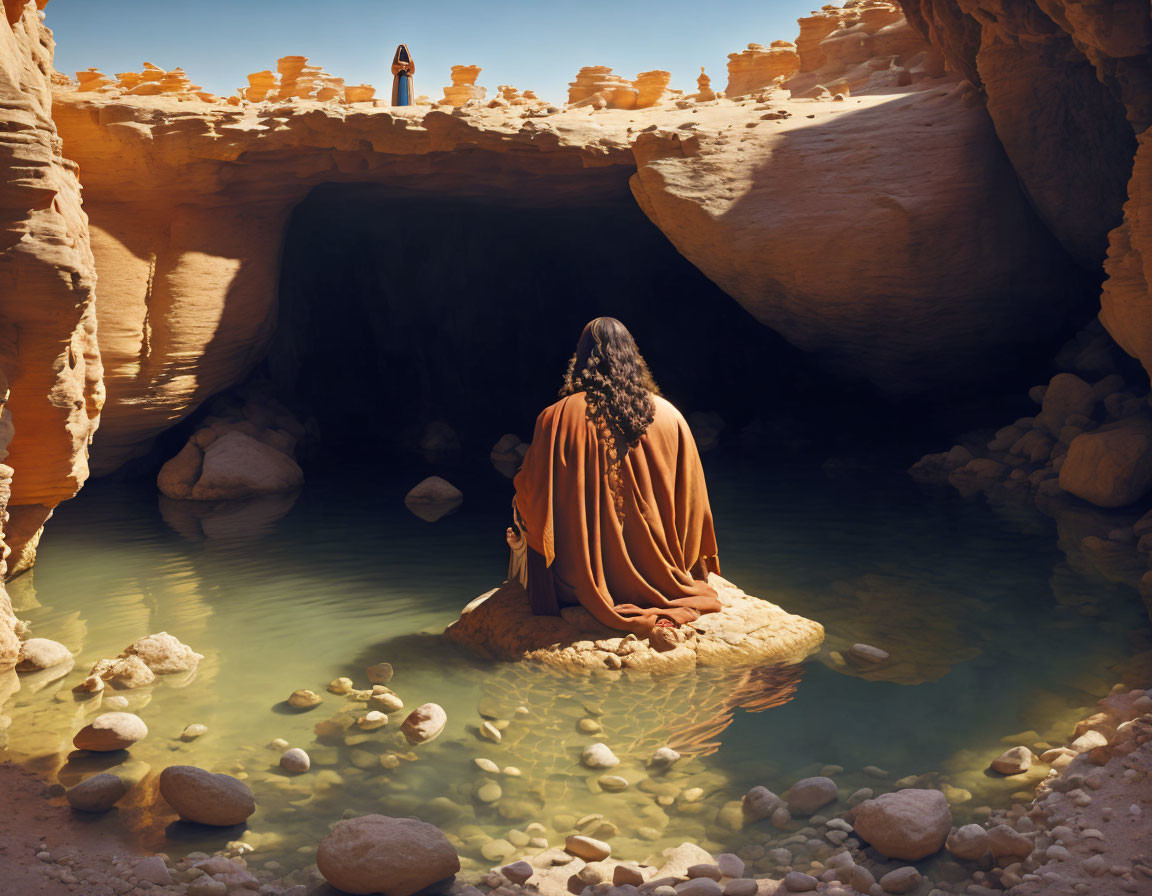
(206, 798)
(811, 794)
(98, 793)
(1066, 395)
(424, 723)
(234, 465)
(164, 654)
(906, 824)
(390, 856)
(747, 631)
(433, 498)
(1111, 466)
(110, 731)
(40, 653)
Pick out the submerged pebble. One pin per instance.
(193, 731)
(341, 686)
(385, 702)
(1015, 761)
(381, 673)
(587, 848)
(489, 793)
(488, 731)
(373, 720)
(304, 699)
(598, 756)
(663, 758)
(424, 723)
(295, 760)
(98, 793)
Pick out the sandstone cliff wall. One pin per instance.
(1069, 89)
(188, 209)
(886, 231)
(48, 349)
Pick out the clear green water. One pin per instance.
(991, 633)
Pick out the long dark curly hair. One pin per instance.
(618, 390)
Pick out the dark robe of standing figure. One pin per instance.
(611, 497)
(402, 71)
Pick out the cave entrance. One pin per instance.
(396, 313)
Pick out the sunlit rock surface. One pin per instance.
(758, 67)
(464, 86)
(48, 350)
(829, 222)
(500, 624)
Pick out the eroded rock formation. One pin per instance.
(597, 86)
(1069, 88)
(188, 210)
(820, 222)
(295, 79)
(463, 88)
(758, 67)
(48, 350)
(866, 45)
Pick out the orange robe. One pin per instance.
(654, 564)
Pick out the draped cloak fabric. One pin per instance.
(659, 557)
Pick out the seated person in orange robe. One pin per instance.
(611, 499)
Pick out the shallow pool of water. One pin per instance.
(991, 634)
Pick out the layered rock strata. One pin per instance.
(48, 350)
(597, 86)
(805, 215)
(463, 88)
(866, 44)
(758, 67)
(1069, 89)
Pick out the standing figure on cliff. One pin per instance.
(611, 502)
(402, 71)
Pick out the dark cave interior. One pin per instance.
(399, 312)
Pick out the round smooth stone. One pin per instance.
(295, 761)
(111, 731)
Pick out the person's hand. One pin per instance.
(513, 537)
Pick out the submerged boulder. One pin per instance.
(98, 793)
(164, 654)
(389, 856)
(234, 465)
(433, 498)
(424, 723)
(239, 466)
(206, 798)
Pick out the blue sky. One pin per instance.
(532, 44)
